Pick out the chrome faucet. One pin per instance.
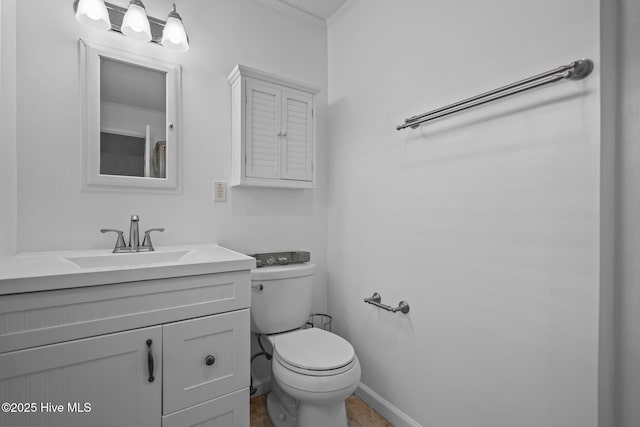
(134, 233)
(134, 238)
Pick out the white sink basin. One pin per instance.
(125, 260)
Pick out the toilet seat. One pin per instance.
(314, 352)
(314, 372)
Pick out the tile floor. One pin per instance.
(359, 414)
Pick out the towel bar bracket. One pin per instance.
(580, 69)
(376, 299)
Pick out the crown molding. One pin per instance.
(293, 11)
(243, 70)
(344, 9)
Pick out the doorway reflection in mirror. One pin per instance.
(132, 120)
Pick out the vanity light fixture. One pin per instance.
(174, 36)
(133, 22)
(93, 13)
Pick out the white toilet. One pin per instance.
(313, 370)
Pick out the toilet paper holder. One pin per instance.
(375, 299)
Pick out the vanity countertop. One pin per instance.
(44, 271)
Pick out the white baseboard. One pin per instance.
(394, 415)
(382, 406)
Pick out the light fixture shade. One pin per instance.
(173, 35)
(94, 14)
(135, 23)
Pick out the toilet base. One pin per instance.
(322, 415)
(281, 407)
(285, 411)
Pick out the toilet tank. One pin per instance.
(281, 297)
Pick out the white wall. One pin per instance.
(54, 213)
(486, 222)
(8, 177)
(609, 39)
(609, 81)
(627, 304)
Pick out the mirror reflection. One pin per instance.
(133, 117)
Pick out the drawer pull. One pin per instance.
(209, 360)
(150, 361)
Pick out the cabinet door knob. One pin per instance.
(209, 360)
(284, 133)
(279, 133)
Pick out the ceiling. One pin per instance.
(321, 9)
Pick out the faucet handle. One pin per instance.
(147, 237)
(119, 242)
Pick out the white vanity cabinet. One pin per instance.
(162, 352)
(273, 130)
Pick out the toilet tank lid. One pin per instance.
(283, 271)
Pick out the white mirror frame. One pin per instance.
(90, 69)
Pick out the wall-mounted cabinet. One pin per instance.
(273, 130)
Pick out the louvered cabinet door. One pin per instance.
(263, 130)
(297, 136)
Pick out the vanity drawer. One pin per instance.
(40, 318)
(231, 410)
(204, 358)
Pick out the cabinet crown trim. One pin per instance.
(244, 71)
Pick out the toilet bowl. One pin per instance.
(319, 370)
(313, 370)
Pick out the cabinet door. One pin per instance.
(205, 358)
(102, 381)
(297, 141)
(263, 130)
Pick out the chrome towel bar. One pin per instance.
(577, 70)
(375, 299)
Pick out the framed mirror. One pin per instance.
(132, 112)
